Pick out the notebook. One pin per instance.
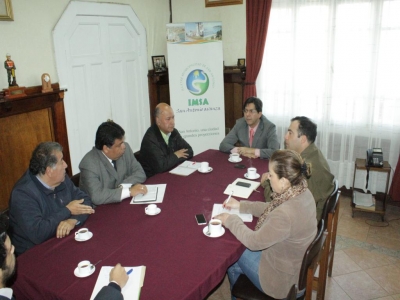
(186, 168)
(240, 191)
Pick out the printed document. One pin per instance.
(132, 288)
(218, 209)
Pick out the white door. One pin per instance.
(101, 59)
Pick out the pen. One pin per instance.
(129, 272)
(229, 198)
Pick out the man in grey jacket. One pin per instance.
(110, 171)
(255, 133)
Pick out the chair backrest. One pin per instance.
(312, 255)
(75, 179)
(292, 293)
(330, 203)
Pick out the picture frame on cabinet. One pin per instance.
(159, 64)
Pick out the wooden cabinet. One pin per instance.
(233, 93)
(380, 198)
(158, 90)
(25, 122)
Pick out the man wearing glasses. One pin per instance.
(254, 132)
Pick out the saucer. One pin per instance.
(84, 240)
(209, 170)
(205, 229)
(152, 214)
(229, 159)
(76, 272)
(253, 178)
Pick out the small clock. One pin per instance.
(46, 83)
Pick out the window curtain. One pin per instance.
(336, 62)
(257, 16)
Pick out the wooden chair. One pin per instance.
(75, 179)
(330, 215)
(246, 290)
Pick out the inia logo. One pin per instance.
(197, 82)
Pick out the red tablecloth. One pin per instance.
(182, 263)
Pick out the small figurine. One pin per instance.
(10, 67)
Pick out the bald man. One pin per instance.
(162, 146)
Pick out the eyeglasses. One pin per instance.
(252, 111)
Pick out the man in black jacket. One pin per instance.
(44, 202)
(162, 146)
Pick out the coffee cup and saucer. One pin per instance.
(152, 210)
(205, 168)
(83, 235)
(214, 229)
(234, 158)
(84, 269)
(251, 174)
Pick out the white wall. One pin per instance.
(29, 37)
(233, 18)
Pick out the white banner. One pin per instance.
(195, 66)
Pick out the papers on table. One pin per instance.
(364, 201)
(186, 168)
(240, 191)
(218, 209)
(132, 288)
(155, 194)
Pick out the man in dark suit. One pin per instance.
(110, 171)
(7, 260)
(118, 276)
(162, 146)
(255, 133)
(118, 279)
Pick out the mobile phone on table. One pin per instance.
(200, 219)
(244, 184)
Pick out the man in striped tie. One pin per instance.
(254, 132)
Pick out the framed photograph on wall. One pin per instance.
(211, 3)
(241, 63)
(159, 64)
(6, 13)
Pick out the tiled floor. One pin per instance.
(367, 258)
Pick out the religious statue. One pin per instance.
(10, 67)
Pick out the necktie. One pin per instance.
(115, 164)
(251, 136)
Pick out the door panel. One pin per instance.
(101, 53)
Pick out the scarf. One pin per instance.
(278, 199)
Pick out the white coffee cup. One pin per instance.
(204, 166)
(251, 172)
(235, 157)
(152, 208)
(84, 267)
(82, 234)
(215, 227)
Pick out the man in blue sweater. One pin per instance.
(44, 202)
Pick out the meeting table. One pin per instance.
(181, 261)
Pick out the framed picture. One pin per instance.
(159, 65)
(241, 63)
(211, 3)
(6, 13)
